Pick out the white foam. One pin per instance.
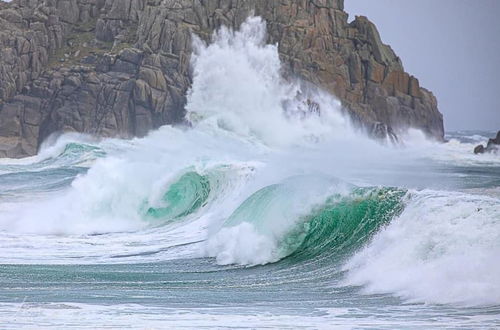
(444, 248)
(452, 152)
(135, 316)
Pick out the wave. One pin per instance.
(344, 223)
(70, 149)
(183, 197)
(190, 191)
(443, 248)
(302, 217)
(423, 246)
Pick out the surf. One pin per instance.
(261, 185)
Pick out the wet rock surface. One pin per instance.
(122, 67)
(493, 145)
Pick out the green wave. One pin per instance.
(76, 149)
(343, 223)
(183, 197)
(334, 225)
(258, 206)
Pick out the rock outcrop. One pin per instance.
(122, 67)
(493, 145)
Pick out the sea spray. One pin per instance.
(238, 86)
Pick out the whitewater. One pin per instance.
(267, 208)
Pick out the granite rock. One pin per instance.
(122, 67)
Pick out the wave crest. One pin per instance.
(294, 219)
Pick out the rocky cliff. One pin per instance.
(122, 67)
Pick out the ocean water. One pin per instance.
(266, 211)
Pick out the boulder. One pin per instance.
(493, 146)
(479, 149)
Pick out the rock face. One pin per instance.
(493, 145)
(122, 67)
